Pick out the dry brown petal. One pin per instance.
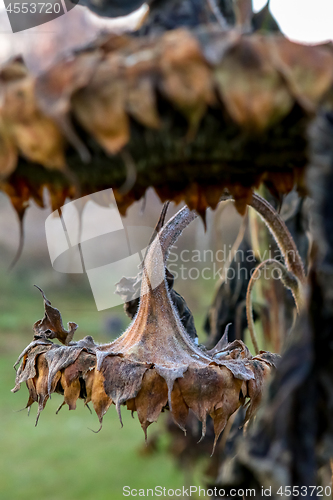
(255, 386)
(252, 90)
(41, 384)
(37, 137)
(100, 107)
(242, 196)
(151, 399)
(15, 69)
(8, 153)
(141, 102)
(114, 42)
(307, 69)
(33, 398)
(100, 400)
(200, 390)
(84, 363)
(130, 404)
(19, 194)
(71, 391)
(58, 196)
(70, 378)
(27, 369)
(280, 183)
(51, 326)
(179, 407)
(231, 400)
(122, 379)
(186, 78)
(55, 87)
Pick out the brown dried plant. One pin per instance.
(291, 273)
(153, 366)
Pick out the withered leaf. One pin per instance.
(96, 394)
(186, 78)
(55, 87)
(51, 326)
(151, 399)
(122, 379)
(100, 107)
(307, 69)
(27, 369)
(179, 407)
(141, 102)
(8, 153)
(36, 136)
(252, 90)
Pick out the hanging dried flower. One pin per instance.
(153, 366)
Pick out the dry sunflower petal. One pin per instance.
(51, 326)
(36, 136)
(186, 78)
(307, 70)
(251, 88)
(101, 99)
(8, 154)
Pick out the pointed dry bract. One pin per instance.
(51, 327)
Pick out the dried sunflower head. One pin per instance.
(153, 366)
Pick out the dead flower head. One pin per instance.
(153, 366)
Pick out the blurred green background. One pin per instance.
(61, 458)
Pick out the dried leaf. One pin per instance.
(255, 386)
(96, 394)
(71, 391)
(141, 102)
(179, 407)
(122, 379)
(151, 399)
(36, 136)
(186, 78)
(8, 153)
(55, 87)
(51, 326)
(307, 69)
(100, 107)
